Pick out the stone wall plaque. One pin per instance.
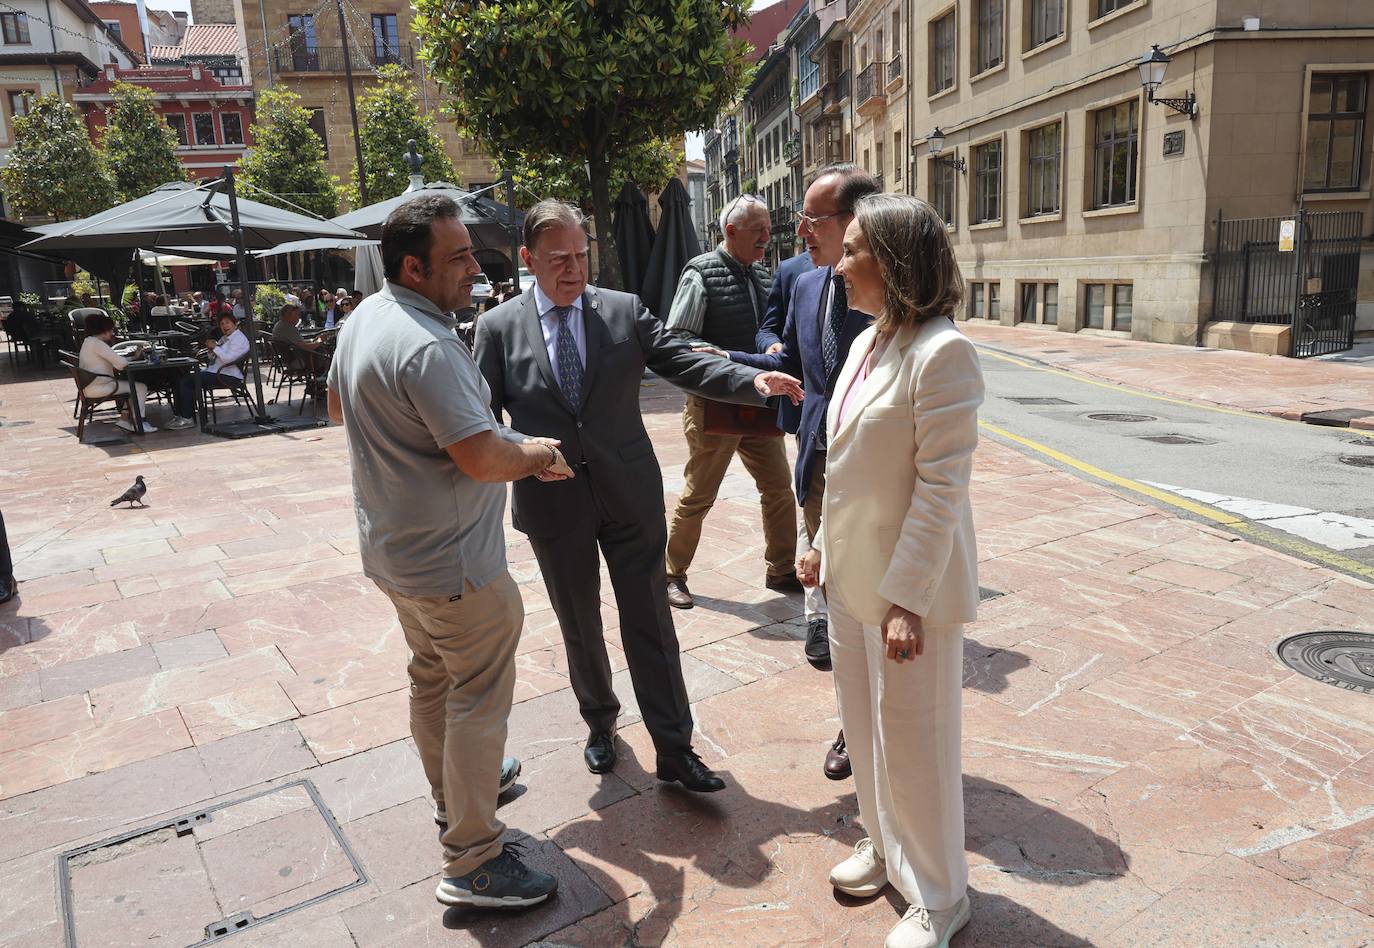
(1173, 143)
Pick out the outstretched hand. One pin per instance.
(559, 469)
(779, 383)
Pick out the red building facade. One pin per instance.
(211, 119)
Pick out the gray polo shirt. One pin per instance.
(409, 389)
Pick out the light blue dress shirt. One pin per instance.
(548, 321)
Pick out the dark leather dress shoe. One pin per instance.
(818, 643)
(678, 595)
(600, 752)
(837, 760)
(7, 587)
(686, 768)
(785, 582)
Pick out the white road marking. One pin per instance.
(1334, 531)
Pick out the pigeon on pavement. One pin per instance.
(134, 495)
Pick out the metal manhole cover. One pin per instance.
(1037, 400)
(1174, 439)
(1053, 351)
(1357, 460)
(1343, 659)
(206, 876)
(1119, 416)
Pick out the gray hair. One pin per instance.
(739, 208)
(548, 214)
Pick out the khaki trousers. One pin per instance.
(710, 455)
(462, 680)
(901, 728)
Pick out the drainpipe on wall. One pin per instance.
(52, 29)
(267, 46)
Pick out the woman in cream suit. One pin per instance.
(897, 558)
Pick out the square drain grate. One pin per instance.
(200, 878)
(1038, 400)
(984, 594)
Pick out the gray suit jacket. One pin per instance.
(602, 436)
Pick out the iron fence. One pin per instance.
(331, 58)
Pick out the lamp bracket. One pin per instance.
(1184, 106)
(958, 164)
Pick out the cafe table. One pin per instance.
(162, 375)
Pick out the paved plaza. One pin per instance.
(1140, 770)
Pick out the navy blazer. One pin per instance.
(801, 356)
(774, 323)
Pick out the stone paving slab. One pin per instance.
(1138, 768)
(1271, 385)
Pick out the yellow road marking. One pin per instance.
(1262, 535)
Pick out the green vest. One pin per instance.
(732, 319)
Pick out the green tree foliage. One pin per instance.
(138, 146)
(650, 166)
(268, 299)
(54, 170)
(584, 79)
(287, 158)
(389, 118)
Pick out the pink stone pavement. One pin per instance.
(1139, 769)
(1271, 385)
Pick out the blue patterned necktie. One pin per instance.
(830, 328)
(569, 362)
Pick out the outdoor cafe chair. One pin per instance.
(86, 405)
(236, 388)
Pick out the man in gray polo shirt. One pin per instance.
(429, 464)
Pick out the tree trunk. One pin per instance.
(608, 259)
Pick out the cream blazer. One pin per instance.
(896, 526)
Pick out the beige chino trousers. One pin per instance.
(462, 681)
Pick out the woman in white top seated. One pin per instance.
(97, 357)
(897, 555)
(223, 371)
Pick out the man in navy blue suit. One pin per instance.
(818, 329)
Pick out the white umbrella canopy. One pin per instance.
(485, 220)
(368, 273)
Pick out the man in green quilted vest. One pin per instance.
(719, 302)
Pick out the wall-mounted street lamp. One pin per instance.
(936, 141)
(1152, 67)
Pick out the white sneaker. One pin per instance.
(124, 425)
(863, 873)
(148, 429)
(178, 423)
(922, 929)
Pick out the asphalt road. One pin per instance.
(1285, 480)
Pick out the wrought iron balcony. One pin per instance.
(792, 150)
(870, 90)
(834, 92)
(331, 58)
(894, 72)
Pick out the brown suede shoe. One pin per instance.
(837, 760)
(678, 595)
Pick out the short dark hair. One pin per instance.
(548, 214)
(409, 231)
(855, 183)
(97, 323)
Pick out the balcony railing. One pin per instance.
(792, 150)
(331, 58)
(870, 90)
(834, 92)
(894, 71)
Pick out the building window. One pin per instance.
(204, 123)
(942, 53)
(1046, 21)
(386, 38)
(317, 125)
(115, 29)
(896, 33)
(1044, 155)
(989, 35)
(898, 159)
(943, 189)
(231, 123)
(228, 75)
(178, 123)
(985, 300)
(987, 182)
(808, 70)
(20, 101)
(300, 29)
(1335, 133)
(1115, 147)
(1109, 306)
(1102, 7)
(878, 154)
(15, 27)
(1039, 303)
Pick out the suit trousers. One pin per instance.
(901, 726)
(709, 458)
(462, 682)
(634, 560)
(813, 604)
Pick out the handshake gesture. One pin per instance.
(558, 469)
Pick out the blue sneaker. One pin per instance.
(502, 882)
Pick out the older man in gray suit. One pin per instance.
(565, 360)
